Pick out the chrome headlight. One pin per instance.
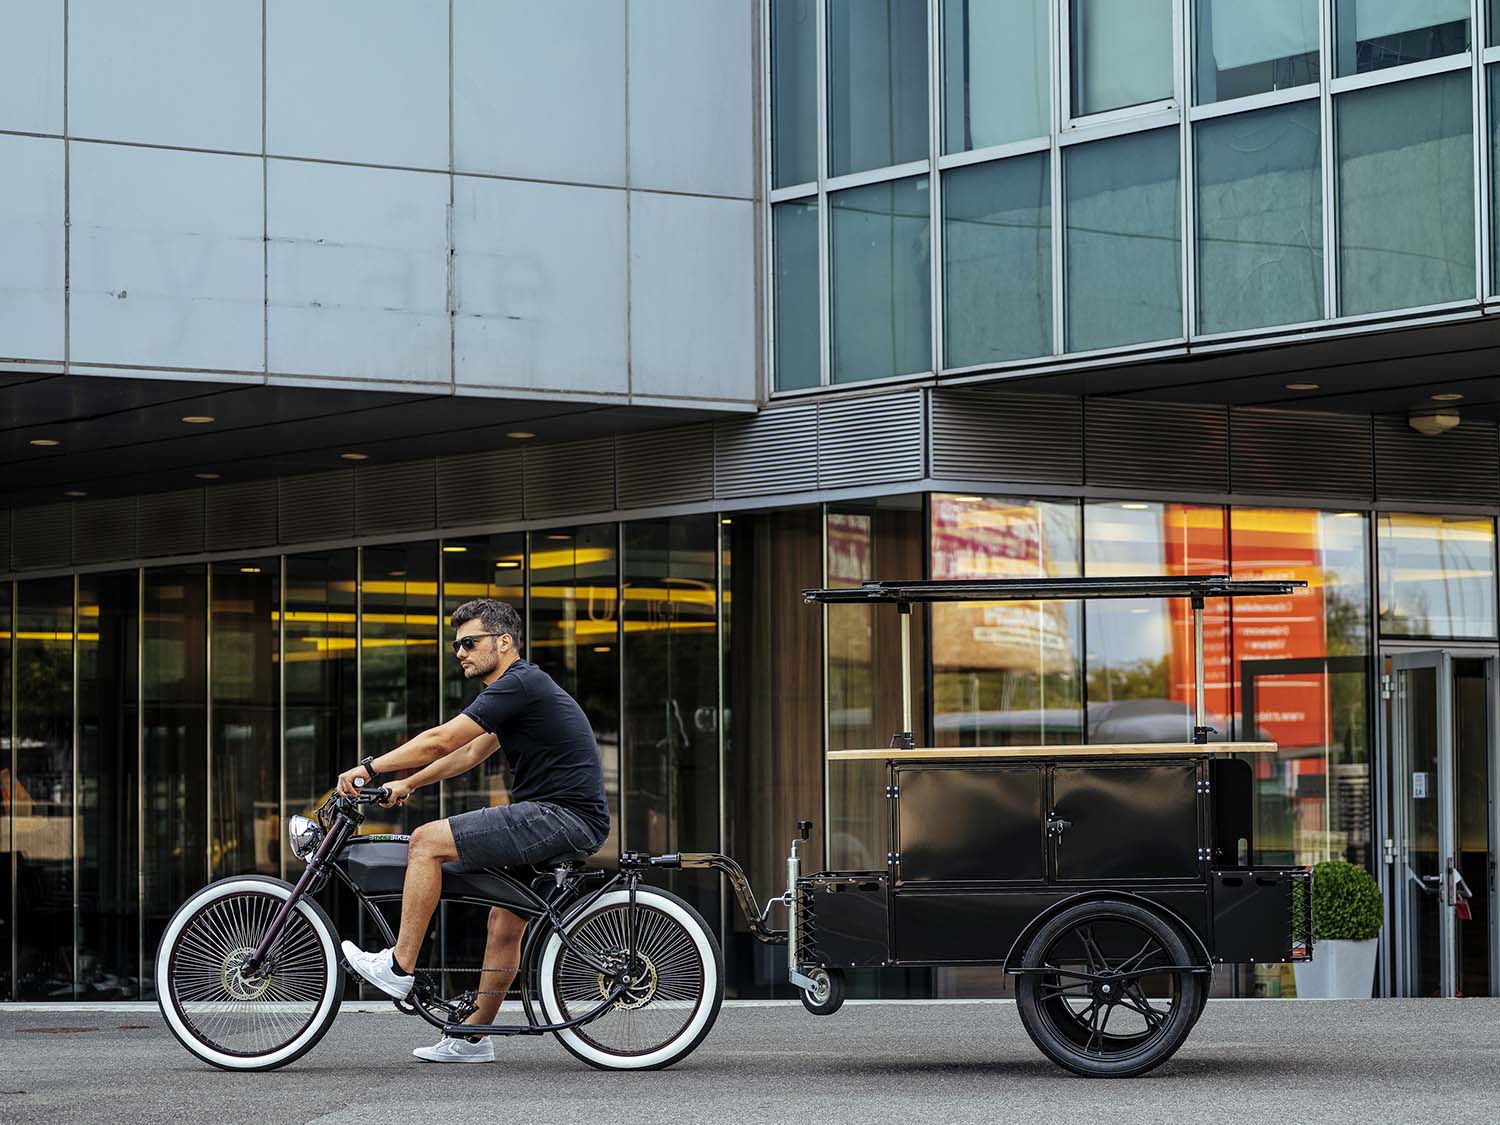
(304, 835)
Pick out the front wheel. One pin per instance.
(237, 1020)
(1108, 989)
(675, 989)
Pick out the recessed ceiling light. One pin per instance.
(967, 499)
(45, 442)
(249, 570)
(520, 435)
(507, 564)
(1348, 515)
(197, 419)
(1303, 386)
(1449, 396)
(355, 456)
(207, 476)
(726, 523)
(395, 574)
(601, 648)
(559, 538)
(75, 492)
(453, 549)
(1135, 506)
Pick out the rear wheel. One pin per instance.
(240, 1020)
(1108, 990)
(675, 981)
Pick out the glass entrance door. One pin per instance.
(1438, 717)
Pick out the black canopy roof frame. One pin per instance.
(1197, 588)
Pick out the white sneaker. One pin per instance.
(458, 1050)
(379, 970)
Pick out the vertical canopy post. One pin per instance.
(907, 738)
(1201, 730)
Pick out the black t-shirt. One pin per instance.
(548, 743)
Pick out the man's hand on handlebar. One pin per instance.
(396, 794)
(347, 779)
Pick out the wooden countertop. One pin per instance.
(1117, 750)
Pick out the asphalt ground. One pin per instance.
(918, 1063)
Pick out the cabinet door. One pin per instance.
(1126, 822)
(967, 823)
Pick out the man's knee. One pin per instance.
(505, 925)
(433, 840)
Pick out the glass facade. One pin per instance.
(1437, 576)
(1076, 199)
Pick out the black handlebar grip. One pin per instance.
(804, 829)
(672, 859)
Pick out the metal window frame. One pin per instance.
(1063, 68)
(76, 834)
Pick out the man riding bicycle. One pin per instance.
(557, 805)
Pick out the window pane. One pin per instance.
(882, 313)
(1005, 673)
(671, 729)
(7, 786)
(575, 638)
(1122, 53)
(176, 747)
(995, 73)
(1123, 241)
(869, 541)
(1406, 194)
(245, 688)
(109, 939)
(42, 792)
(1375, 34)
(399, 608)
(997, 261)
(1437, 576)
(1494, 83)
(794, 235)
(794, 92)
(877, 83)
(1140, 659)
(1494, 22)
(1260, 219)
(1245, 49)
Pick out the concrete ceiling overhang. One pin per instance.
(118, 435)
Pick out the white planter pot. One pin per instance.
(1339, 970)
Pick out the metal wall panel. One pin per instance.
(1004, 436)
(4, 538)
(318, 506)
(872, 440)
(105, 530)
(1462, 465)
(1285, 452)
(479, 488)
(775, 451)
(1157, 447)
(401, 497)
(42, 536)
(172, 523)
(240, 515)
(570, 478)
(673, 466)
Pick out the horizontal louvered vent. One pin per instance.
(775, 451)
(1156, 447)
(1462, 465)
(42, 536)
(401, 497)
(240, 515)
(316, 506)
(662, 467)
(872, 440)
(571, 478)
(1294, 453)
(172, 523)
(1004, 436)
(105, 530)
(479, 488)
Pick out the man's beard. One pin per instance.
(473, 671)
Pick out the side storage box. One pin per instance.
(1261, 914)
(845, 919)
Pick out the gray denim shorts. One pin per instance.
(511, 835)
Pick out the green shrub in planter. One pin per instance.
(1346, 903)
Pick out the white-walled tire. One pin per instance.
(673, 1002)
(248, 1023)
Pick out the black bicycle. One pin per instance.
(627, 976)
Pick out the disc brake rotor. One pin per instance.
(637, 993)
(236, 983)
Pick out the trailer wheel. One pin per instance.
(828, 995)
(1107, 989)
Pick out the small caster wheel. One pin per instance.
(827, 995)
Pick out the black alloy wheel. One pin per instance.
(1109, 989)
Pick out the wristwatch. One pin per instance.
(369, 765)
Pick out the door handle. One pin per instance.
(1056, 826)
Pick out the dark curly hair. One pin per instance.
(496, 617)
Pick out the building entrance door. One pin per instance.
(1438, 717)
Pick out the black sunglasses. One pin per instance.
(466, 644)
